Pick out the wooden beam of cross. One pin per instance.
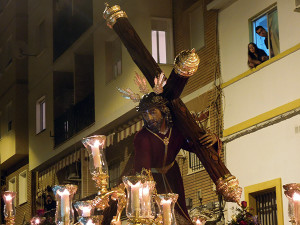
(226, 184)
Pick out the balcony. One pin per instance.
(75, 119)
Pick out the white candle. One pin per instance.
(296, 199)
(146, 201)
(86, 211)
(8, 203)
(135, 197)
(96, 154)
(65, 206)
(167, 216)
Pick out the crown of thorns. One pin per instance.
(151, 100)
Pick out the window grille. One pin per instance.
(266, 207)
(194, 162)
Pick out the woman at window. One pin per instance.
(255, 55)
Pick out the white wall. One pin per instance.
(234, 32)
(270, 153)
(272, 86)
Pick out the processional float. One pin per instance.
(140, 191)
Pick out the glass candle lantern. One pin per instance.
(9, 207)
(292, 192)
(97, 160)
(64, 194)
(139, 204)
(166, 203)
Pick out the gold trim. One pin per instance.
(262, 117)
(276, 183)
(228, 187)
(112, 13)
(260, 66)
(186, 63)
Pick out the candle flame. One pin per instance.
(8, 197)
(86, 209)
(37, 221)
(65, 192)
(296, 197)
(166, 201)
(198, 222)
(97, 143)
(146, 191)
(138, 184)
(89, 222)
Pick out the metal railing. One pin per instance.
(75, 119)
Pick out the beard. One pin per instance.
(154, 125)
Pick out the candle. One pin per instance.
(146, 201)
(167, 216)
(8, 203)
(296, 199)
(65, 206)
(135, 197)
(86, 211)
(96, 154)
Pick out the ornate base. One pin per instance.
(10, 220)
(101, 182)
(139, 221)
(229, 188)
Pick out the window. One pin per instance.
(162, 40)
(22, 187)
(266, 200)
(114, 173)
(12, 186)
(196, 22)
(40, 114)
(195, 164)
(266, 33)
(113, 56)
(9, 114)
(41, 37)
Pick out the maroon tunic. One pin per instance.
(150, 152)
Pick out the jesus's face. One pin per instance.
(153, 119)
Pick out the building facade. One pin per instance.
(261, 105)
(73, 64)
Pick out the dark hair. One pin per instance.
(153, 100)
(259, 27)
(250, 53)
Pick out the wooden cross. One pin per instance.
(226, 184)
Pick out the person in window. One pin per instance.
(274, 38)
(255, 55)
(156, 147)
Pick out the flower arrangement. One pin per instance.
(243, 216)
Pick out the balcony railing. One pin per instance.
(74, 119)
